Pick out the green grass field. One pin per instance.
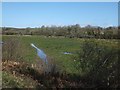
(55, 47)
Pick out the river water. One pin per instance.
(40, 53)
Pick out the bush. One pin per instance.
(11, 49)
(98, 64)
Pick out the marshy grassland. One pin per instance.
(21, 64)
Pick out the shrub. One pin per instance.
(98, 64)
(11, 49)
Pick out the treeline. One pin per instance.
(71, 31)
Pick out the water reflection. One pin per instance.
(67, 53)
(40, 53)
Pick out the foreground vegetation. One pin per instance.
(92, 64)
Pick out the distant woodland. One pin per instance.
(71, 31)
